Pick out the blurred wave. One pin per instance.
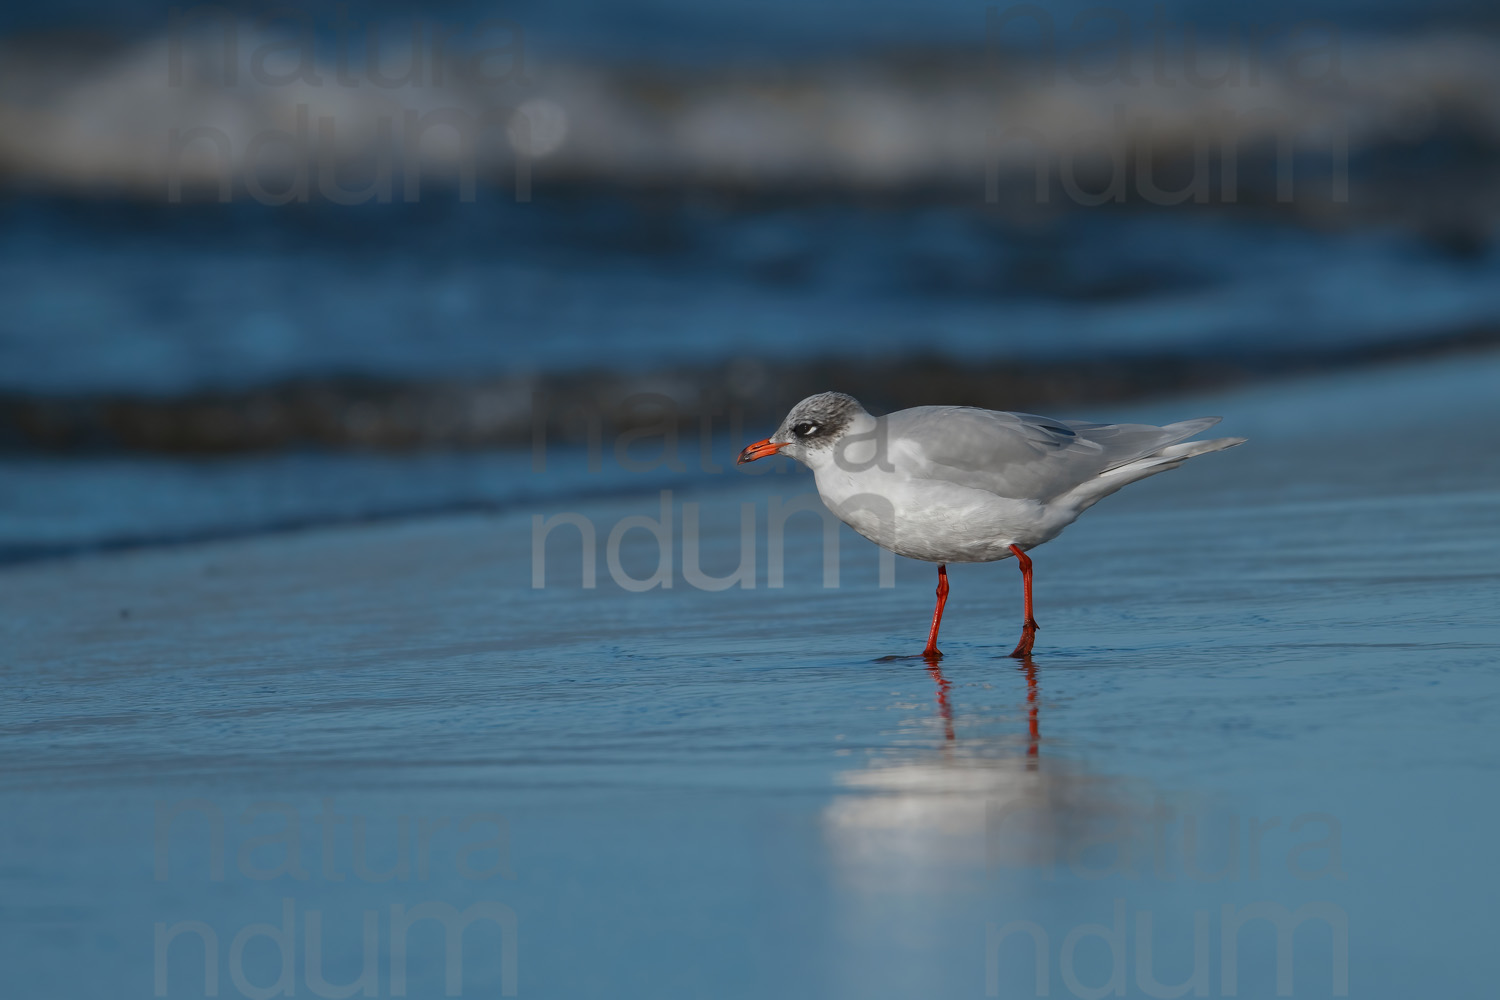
(111, 301)
(586, 407)
(100, 117)
(204, 335)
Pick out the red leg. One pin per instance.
(1028, 630)
(937, 613)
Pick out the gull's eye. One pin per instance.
(805, 430)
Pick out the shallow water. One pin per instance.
(1280, 659)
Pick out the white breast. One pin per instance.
(933, 520)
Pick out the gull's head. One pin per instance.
(813, 430)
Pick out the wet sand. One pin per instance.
(739, 793)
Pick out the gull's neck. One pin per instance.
(858, 447)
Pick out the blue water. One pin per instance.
(177, 298)
(58, 504)
(677, 31)
(1287, 649)
(1263, 682)
(114, 298)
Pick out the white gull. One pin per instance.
(965, 485)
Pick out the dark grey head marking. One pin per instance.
(818, 419)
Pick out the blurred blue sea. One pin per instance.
(681, 30)
(192, 298)
(748, 792)
(162, 300)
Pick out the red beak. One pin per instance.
(759, 449)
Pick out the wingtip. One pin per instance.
(1197, 425)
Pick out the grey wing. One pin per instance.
(1019, 455)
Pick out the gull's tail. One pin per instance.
(1170, 457)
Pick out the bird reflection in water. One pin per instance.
(907, 803)
(966, 798)
(1027, 667)
(945, 708)
(1033, 749)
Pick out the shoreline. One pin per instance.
(1325, 400)
(371, 415)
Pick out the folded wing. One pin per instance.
(1019, 455)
